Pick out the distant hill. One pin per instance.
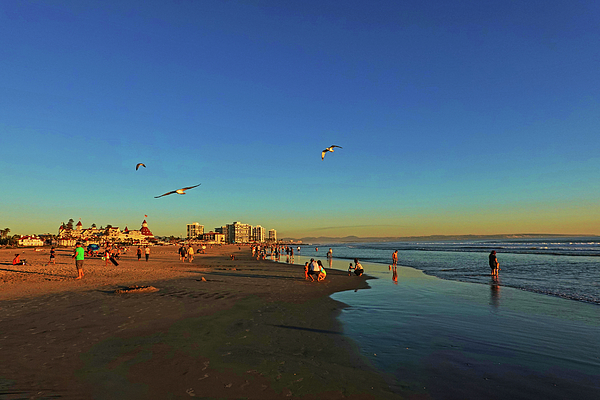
(356, 239)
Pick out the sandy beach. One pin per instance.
(214, 328)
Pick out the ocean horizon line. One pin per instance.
(367, 239)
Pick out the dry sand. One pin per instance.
(249, 329)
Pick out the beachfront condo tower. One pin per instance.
(258, 234)
(194, 230)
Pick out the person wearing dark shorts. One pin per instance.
(52, 256)
(358, 269)
(79, 256)
(147, 251)
(494, 264)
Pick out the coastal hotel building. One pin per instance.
(69, 237)
(230, 233)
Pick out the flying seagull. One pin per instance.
(178, 191)
(139, 165)
(330, 148)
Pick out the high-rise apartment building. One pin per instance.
(194, 230)
(272, 235)
(258, 234)
(238, 233)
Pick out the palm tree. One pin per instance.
(4, 232)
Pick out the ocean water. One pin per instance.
(563, 267)
(444, 329)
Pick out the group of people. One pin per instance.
(110, 253)
(493, 261)
(186, 253)
(357, 268)
(314, 269)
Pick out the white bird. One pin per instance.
(139, 165)
(178, 191)
(330, 148)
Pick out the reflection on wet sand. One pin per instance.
(495, 292)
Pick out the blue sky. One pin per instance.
(455, 117)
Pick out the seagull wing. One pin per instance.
(174, 191)
(323, 154)
(139, 165)
(335, 145)
(191, 187)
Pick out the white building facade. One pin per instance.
(194, 230)
(272, 235)
(258, 234)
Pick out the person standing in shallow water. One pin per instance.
(79, 256)
(494, 264)
(395, 258)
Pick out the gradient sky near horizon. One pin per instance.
(455, 117)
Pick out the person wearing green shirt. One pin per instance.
(79, 256)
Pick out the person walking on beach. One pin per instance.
(395, 258)
(139, 253)
(107, 255)
(147, 251)
(79, 256)
(190, 253)
(52, 256)
(182, 253)
(494, 264)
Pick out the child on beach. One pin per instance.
(322, 273)
(306, 270)
(350, 268)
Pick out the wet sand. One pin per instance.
(216, 328)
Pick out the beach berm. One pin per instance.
(214, 328)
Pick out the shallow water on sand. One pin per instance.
(458, 340)
(563, 267)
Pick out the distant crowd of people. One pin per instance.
(313, 269)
